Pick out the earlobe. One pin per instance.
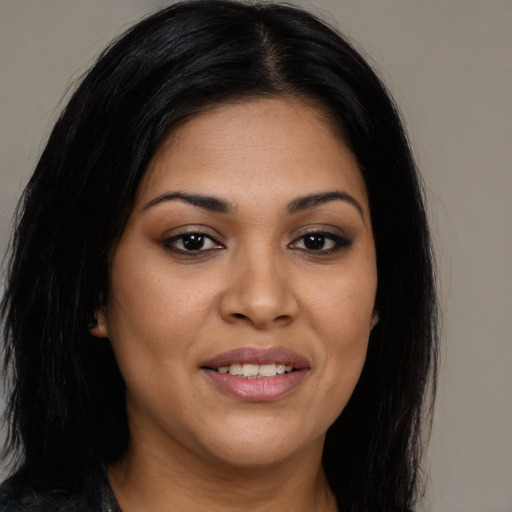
(374, 319)
(99, 327)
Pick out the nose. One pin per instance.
(260, 293)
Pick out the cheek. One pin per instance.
(152, 322)
(342, 312)
(151, 313)
(342, 304)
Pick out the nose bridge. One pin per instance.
(262, 282)
(261, 292)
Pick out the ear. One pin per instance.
(374, 319)
(99, 327)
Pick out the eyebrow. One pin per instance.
(217, 205)
(210, 203)
(313, 200)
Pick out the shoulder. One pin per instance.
(22, 497)
(17, 497)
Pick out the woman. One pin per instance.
(221, 291)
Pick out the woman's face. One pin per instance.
(249, 251)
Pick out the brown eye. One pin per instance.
(192, 242)
(321, 243)
(316, 242)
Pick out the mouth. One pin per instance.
(256, 371)
(255, 374)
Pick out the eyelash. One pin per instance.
(170, 243)
(340, 242)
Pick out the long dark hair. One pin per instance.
(66, 407)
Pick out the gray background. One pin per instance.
(448, 63)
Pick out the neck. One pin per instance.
(147, 480)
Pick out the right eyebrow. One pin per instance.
(210, 203)
(313, 200)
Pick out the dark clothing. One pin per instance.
(18, 497)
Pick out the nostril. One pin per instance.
(239, 315)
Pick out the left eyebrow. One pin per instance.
(210, 203)
(313, 200)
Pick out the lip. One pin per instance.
(257, 355)
(263, 389)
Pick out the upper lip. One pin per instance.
(258, 355)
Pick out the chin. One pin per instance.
(270, 442)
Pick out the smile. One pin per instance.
(256, 370)
(256, 374)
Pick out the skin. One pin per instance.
(255, 284)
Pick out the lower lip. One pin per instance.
(263, 389)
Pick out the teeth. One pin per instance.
(267, 370)
(250, 370)
(280, 369)
(256, 370)
(235, 369)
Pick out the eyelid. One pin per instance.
(179, 233)
(342, 241)
(191, 229)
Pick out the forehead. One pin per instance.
(255, 149)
